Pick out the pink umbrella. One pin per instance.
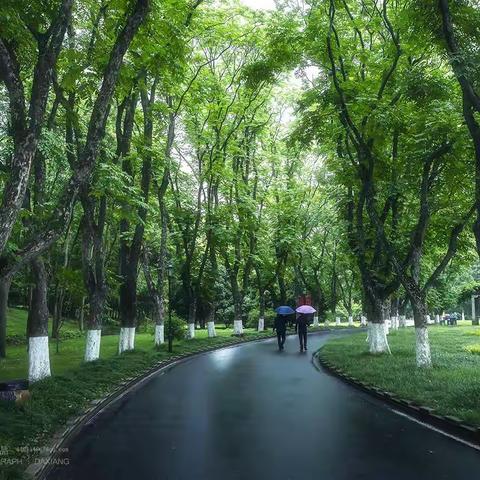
(305, 309)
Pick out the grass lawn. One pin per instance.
(17, 323)
(71, 352)
(451, 387)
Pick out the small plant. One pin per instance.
(16, 340)
(475, 349)
(179, 327)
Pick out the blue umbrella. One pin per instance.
(284, 310)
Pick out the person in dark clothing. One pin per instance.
(280, 326)
(301, 327)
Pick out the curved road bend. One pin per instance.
(250, 412)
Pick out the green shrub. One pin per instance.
(148, 327)
(16, 339)
(70, 334)
(179, 327)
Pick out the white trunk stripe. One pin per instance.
(92, 347)
(126, 340)
(159, 334)
(261, 324)
(211, 329)
(237, 327)
(38, 358)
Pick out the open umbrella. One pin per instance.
(305, 309)
(284, 310)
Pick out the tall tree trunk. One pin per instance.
(422, 344)
(374, 309)
(93, 261)
(237, 308)
(156, 290)
(128, 260)
(37, 324)
(199, 280)
(237, 295)
(128, 305)
(60, 294)
(212, 307)
(96, 307)
(57, 313)
(130, 257)
(318, 301)
(188, 297)
(192, 313)
(212, 301)
(261, 306)
(394, 313)
(81, 315)
(159, 319)
(402, 312)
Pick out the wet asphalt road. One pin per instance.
(251, 412)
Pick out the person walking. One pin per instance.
(301, 327)
(280, 326)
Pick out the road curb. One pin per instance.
(447, 424)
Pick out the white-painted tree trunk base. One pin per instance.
(429, 319)
(126, 341)
(463, 315)
(350, 321)
(261, 324)
(237, 327)
(437, 319)
(316, 323)
(327, 323)
(211, 329)
(159, 334)
(191, 331)
(402, 321)
(394, 322)
(422, 348)
(377, 338)
(92, 346)
(337, 321)
(38, 358)
(363, 320)
(386, 326)
(131, 339)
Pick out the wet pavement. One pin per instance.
(251, 412)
